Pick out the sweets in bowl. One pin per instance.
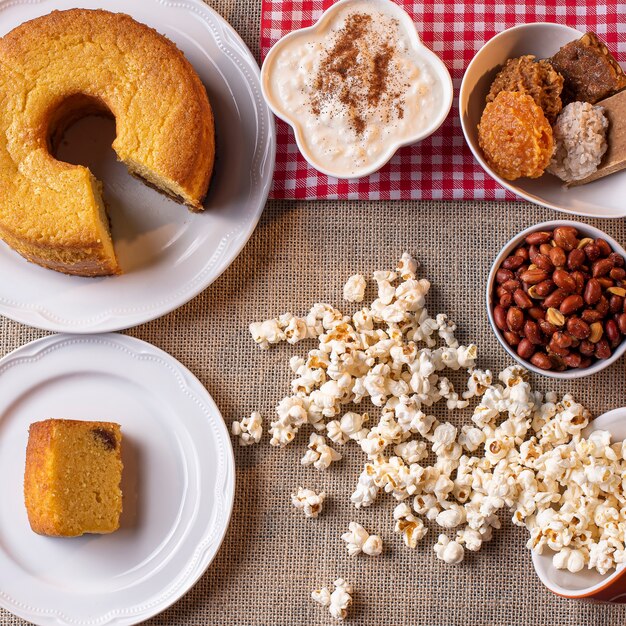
(356, 86)
(590, 71)
(557, 299)
(538, 79)
(604, 198)
(585, 71)
(579, 141)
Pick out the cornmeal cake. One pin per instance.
(72, 478)
(54, 70)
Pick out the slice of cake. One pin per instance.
(72, 478)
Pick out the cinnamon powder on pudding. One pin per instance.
(357, 74)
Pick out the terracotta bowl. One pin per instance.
(587, 583)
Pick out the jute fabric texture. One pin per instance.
(272, 557)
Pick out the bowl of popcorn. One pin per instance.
(543, 109)
(556, 299)
(592, 564)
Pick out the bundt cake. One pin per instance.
(72, 478)
(54, 70)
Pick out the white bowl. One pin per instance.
(587, 231)
(441, 73)
(587, 583)
(602, 198)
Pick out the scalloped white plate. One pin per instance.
(169, 254)
(178, 481)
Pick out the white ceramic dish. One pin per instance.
(588, 231)
(441, 73)
(587, 583)
(169, 254)
(178, 481)
(602, 198)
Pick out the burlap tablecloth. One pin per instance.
(272, 556)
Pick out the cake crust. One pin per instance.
(53, 70)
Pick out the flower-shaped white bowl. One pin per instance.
(587, 583)
(602, 198)
(440, 72)
(587, 231)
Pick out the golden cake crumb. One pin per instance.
(72, 478)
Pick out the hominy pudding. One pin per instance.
(357, 88)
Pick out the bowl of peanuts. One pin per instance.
(556, 299)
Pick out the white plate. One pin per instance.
(178, 481)
(602, 198)
(169, 255)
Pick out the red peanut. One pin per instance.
(564, 281)
(522, 300)
(558, 256)
(499, 317)
(525, 349)
(539, 237)
(570, 304)
(541, 360)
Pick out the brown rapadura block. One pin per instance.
(614, 159)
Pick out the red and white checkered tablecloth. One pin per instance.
(442, 166)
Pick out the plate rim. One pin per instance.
(203, 555)
(265, 153)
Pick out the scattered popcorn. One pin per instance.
(308, 501)
(470, 538)
(249, 429)
(411, 527)
(366, 489)
(521, 451)
(452, 517)
(319, 454)
(354, 289)
(321, 596)
(349, 427)
(338, 602)
(359, 540)
(449, 551)
(407, 267)
(292, 413)
(411, 451)
(340, 599)
(478, 383)
(267, 332)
